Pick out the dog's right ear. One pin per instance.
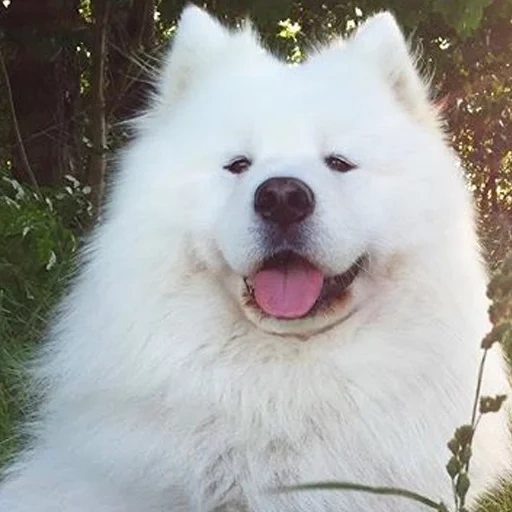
(202, 44)
(198, 39)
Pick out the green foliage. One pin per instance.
(500, 291)
(462, 15)
(38, 237)
(289, 32)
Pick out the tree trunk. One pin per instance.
(99, 131)
(40, 59)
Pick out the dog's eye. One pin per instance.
(339, 163)
(238, 165)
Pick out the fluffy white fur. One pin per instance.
(164, 392)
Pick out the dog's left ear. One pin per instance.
(381, 42)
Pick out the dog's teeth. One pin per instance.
(249, 288)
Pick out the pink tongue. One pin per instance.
(288, 292)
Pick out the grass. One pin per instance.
(15, 350)
(498, 501)
(19, 336)
(38, 240)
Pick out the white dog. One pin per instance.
(286, 289)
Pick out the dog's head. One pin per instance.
(296, 186)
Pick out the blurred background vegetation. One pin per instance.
(71, 71)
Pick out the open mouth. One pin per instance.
(288, 286)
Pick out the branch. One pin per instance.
(17, 132)
(99, 130)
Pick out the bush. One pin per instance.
(38, 237)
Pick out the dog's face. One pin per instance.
(297, 186)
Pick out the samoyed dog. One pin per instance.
(286, 288)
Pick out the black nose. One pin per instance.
(284, 201)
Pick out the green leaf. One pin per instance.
(491, 403)
(464, 435)
(453, 467)
(453, 445)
